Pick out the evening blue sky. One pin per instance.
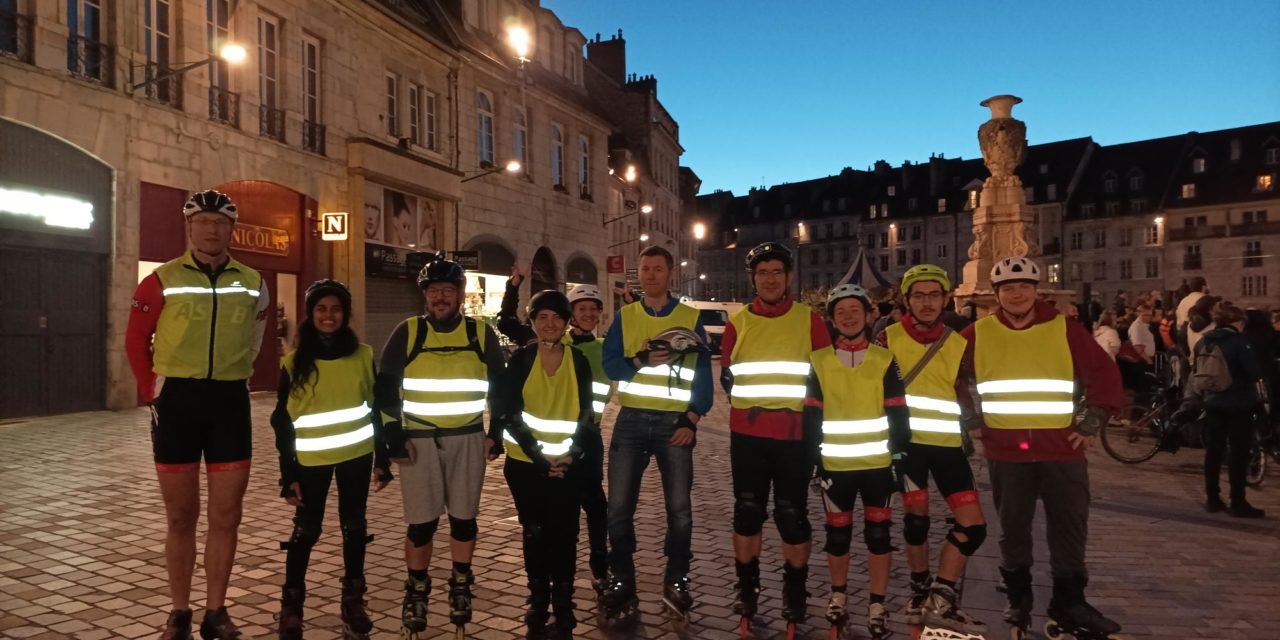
(783, 91)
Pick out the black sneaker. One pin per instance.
(1214, 505)
(1243, 509)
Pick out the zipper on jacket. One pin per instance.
(213, 320)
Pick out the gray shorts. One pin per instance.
(445, 479)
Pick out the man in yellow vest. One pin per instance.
(194, 332)
(857, 426)
(656, 351)
(929, 353)
(765, 364)
(1029, 364)
(436, 374)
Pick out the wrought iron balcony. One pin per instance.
(224, 106)
(161, 84)
(271, 122)
(313, 136)
(15, 35)
(91, 60)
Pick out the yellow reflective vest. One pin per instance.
(207, 326)
(1026, 378)
(770, 359)
(601, 385)
(855, 429)
(332, 413)
(550, 409)
(931, 396)
(445, 384)
(667, 387)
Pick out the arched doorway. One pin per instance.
(487, 283)
(542, 271)
(581, 270)
(56, 232)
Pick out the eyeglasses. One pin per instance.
(219, 222)
(771, 273)
(934, 296)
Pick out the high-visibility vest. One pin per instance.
(446, 383)
(550, 408)
(855, 429)
(931, 396)
(206, 327)
(770, 359)
(667, 387)
(601, 385)
(1025, 377)
(332, 412)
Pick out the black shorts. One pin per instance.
(192, 418)
(840, 490)
(948, 466)
(760, 463)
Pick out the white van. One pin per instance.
(714, 317)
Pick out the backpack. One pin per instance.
(1209, 370)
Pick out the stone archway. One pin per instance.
(542, 270)
(495, 257)
(581, 270)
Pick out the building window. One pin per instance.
(157, 32)
(429, 119)
(1099, 238)
(872, 212)
(1044, 168)
(813, 281)
(844, 254)
(1051, 192)
(842, 203)
(884, 210)
(1076, 271)
(844, 229)
(893, 191)
(1087, 210)
(813, 256)
(913, 204)
(831, 254)
(1138, 205)
(940, 251)
(915, 232)
(826, 206)
(1109, 184)
(521, 141)
(218, 33)
(1255, 217)
(884, 238)
(786, 209)
(87, 55)
(1126, 237)
(902, 257)
(484, 128)
(1029, 194)
(415, 114)
(871, 240)
(1055, 273)
(1188, 191)
(1153, 267)
(973, 199)
(1126, 269)
(1151, 235)
(1253, 253)
(884, 262)
(915, 256)
(584, 165)
(1251, 286)
(1197, 165)
(393, 105)
(1272, 155)
(1112, 208)
(313, 133)
(270, 115)
(1264, 182)
(1077, 240)
(1195, 221)
(1191, 257)
(1135, 182)
(942, 205)
(1100, 270)
(557, 156)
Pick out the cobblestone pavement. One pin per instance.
(82, 524)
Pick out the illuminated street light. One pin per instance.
(646, 208)
(702, 276)
(513, 167)
(230, 53)
(233, 53)
(644, 237)
(700, 231)
(518, 38)
(630, 174)
(684, 263)
(1159, 219)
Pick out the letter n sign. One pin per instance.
(333, 226)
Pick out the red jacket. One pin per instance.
(1095, 372)
(778, 424)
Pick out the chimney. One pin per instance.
(937, 175)
(610, 57)
(906, 175)
(881, 168)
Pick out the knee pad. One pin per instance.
(353, 530)
(973, 537)
(421, 534)
(793, 522)
(748, 515)
(462, 530)
(838, 539)
(915, 529)
(876, 534)
(303, 537)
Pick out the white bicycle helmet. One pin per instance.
(1015, 270)
(585, 292)
(847, 291)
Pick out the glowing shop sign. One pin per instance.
(55, 211)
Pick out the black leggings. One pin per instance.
(590, 477)
(548, 509)
(353, 494)
(1236, 428)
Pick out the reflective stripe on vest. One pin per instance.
(1025, 377)
(444, 389)
(332, 412)
(660, 388)
(550, 409)
(855, 430)
(771, 358)
(207, 325)
(601, 385)
(931, 396)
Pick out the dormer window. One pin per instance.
(1197, 165)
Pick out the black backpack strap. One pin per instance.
(419, 340)
(473, 340)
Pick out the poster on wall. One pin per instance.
(397, 225)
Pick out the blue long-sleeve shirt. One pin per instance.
(619, 367)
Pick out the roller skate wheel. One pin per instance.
(1053, 631)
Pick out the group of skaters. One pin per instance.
(872, 415)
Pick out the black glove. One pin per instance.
(726, 380)
(394, 436)
(289, 472)
(898, 467)
(1092, 420)
(685, 422)
(642, 356)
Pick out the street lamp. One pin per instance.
(230, 52)
(699, 231)
(644, 237)
(512, 167)
(684, 263)
(518, 38)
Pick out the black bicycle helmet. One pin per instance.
(439, 269)
(769, 251)
(327, 287)
(550, 300)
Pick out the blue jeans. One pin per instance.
(637, 435)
